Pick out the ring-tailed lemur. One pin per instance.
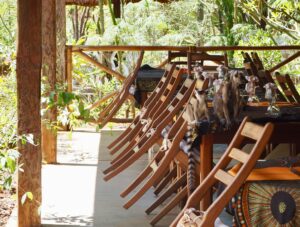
(196, 110)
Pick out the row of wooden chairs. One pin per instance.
(158, 114)
(255, 67)
(166, 111)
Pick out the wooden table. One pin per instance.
(285, 131)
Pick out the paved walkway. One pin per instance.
(74, 193)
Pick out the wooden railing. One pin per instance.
(80, 51)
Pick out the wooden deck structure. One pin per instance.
(39, 28)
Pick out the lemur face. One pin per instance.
(237, 77)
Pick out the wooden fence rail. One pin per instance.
(81, 52)
(182, 48)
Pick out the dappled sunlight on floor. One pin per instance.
(74, 193)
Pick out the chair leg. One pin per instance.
(127, 131)
(161, 171)
(141, 177)
(166, 180)
(129, 147)
(172, 189)
(157, 182)
(118, 163)
(179, 196)
(163, 167)
(127, 138)
(139, 140)
(133, 157)
(145, 187)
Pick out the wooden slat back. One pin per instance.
(207, 57)
(169, 87)
(224, 177)
(282, 80)
(270, 79)
(169, 67)
(154, 165)
(252, 131)
(292, 88)
(175, 54)
(180, 96)
(188, 82)
(239, 155)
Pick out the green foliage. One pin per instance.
(70, 108)
(8, 138)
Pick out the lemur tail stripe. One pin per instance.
(191, 173)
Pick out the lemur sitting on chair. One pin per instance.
(227, 101)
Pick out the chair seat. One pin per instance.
(269, 173)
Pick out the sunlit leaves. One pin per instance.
(26, 196)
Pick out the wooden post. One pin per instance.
(29, 61)
(206, 157)
(69, 68)
(49, 135)
(61, 40)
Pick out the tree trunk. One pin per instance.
(263, 12)
(29, 61)
(49, 135)
(117, 8)
(101, 27)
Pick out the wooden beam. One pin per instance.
(181, 48)
(29, 62)
(119, 76)
(49, 136)
(286, 61)
(103, 99)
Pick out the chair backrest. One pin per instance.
(252, 70)
(201, 57)
(167, 93)
(265, 74)
(174, 54)
(288, 87)
(257, 61)
(178, 101)
(247, 130)
(160, 87)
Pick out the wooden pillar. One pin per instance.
(206, 157)
(49, 135)
(69, 68)
(61, 40)
(29, 61)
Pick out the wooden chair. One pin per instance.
(288, 87)
(145, 122)
(132, 129)
(107, 114)
(154, 167)
(247, 130)
(159, 108)
(263, 73)
(179, 186)
(202, 57)
(159, 169)
(157, 126)
(252, 70)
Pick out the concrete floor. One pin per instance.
(74, 193)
